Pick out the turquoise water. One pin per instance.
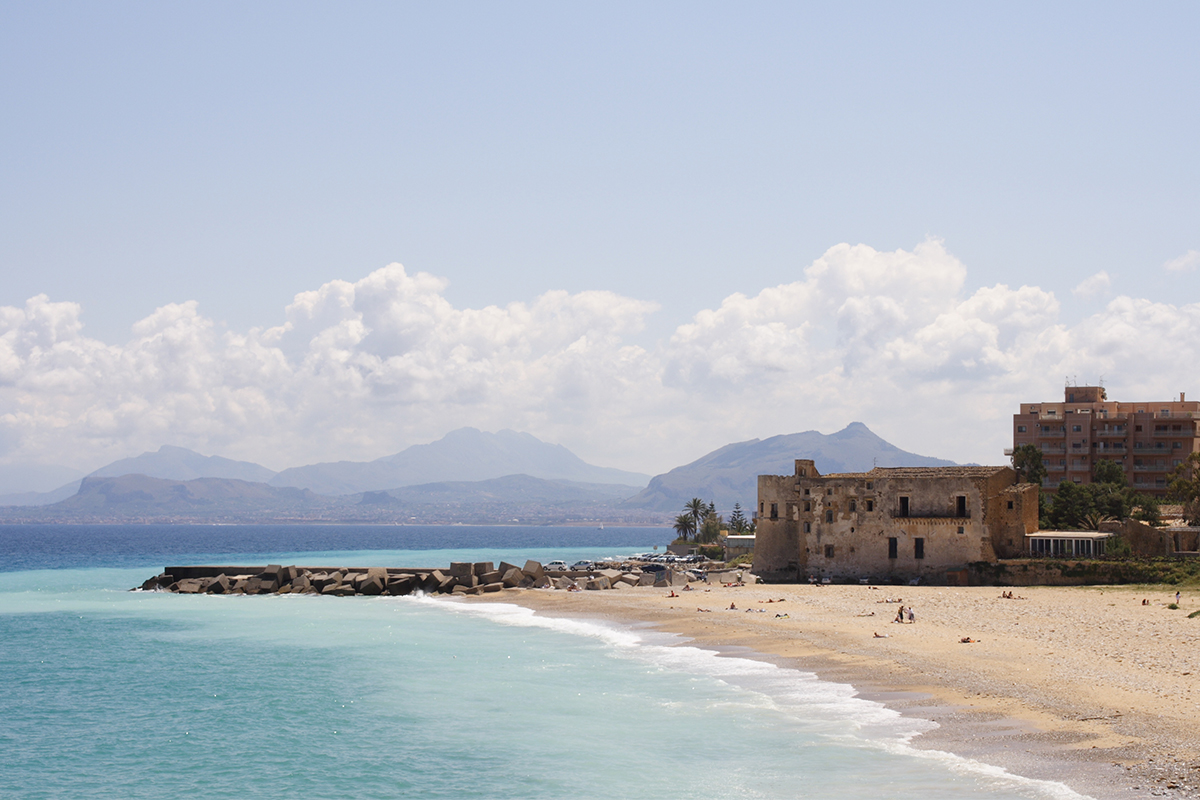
(110, 693)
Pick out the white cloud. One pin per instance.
(1184, 263)
(360, 370)
(1094, 286)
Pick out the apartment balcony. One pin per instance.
(1110, 432)
(1184, 434)
(1148, 468)
(1055, 468)
(1049, 434)
(929, 516)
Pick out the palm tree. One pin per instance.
(685, 525)
(697, 509)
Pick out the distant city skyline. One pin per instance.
(639, 232)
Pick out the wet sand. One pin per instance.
(1083, 685)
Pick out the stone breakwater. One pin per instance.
(459, 578)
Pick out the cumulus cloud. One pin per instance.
(1184, 263)
(1094, 286)
(362, 369)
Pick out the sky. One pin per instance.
(642, 231)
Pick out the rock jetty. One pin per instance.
(459, 578)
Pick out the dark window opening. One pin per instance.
(893, 547)
(961, 507)
(808, 527)
(870, 505)
(829, 551)
(829, 516)
(904, 506)
(1010, 505)
(774, 511)
(807, 506)
(918, 548)
(854, 505)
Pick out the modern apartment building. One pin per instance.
(1147, 439)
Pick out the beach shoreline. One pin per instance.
(1081, 685)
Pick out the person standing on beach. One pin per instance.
(1177, 598)
(899, 615)
(911, 619)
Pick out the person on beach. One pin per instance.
(880, 635)
(911, 618)
(732, 607)
(1177, 598)
(899, 615)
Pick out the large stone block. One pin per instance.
(513, 577)
(628, 579)
(492, 587)
(563, 582)
(405, 584)
(598, 583)
(533, 569)
(448, 585)
(459, 569)
(272, 570)
(372, 585)
(219, 585)
(542, 582)
(647, 579)
(460, 589)
(188, 586)
(321, 579)
(611, 574)
(482, 568)
(494, 576)
(378, 572)
(330, 589)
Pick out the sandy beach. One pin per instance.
(1084, 685)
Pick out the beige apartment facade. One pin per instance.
(1147, 439)
(892, 523)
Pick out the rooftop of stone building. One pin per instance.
(919, 472)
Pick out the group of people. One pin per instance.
(900, 615)
(1010, 596)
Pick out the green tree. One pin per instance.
(698, 510)
(1185, 487)
(737, 519)
(685, 526)
(1027, 461)
(1108, 471)
(710, 529)
(1071, 504)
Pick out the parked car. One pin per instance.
(556, 566)
(583, 566)
(653, 568)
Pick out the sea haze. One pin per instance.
(113, 693)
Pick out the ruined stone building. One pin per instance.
(1148, 439)
(896, 523)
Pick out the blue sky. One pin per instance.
(673, 154)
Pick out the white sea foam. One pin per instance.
(829, 709)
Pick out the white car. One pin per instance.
(556, 566)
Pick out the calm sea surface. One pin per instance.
(107, 693)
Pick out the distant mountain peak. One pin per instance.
(729, 474)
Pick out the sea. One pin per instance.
(112, 693)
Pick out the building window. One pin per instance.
(853, 505)
(1010, 505)
(870, 505)
(904, 506)
(960, 507)
(774, 511)
(829, 492)
(1177, 445)
(829, 516)
(961, 529)
(893, 547)
(807, 492)
(807, 505)
(760, 508)
(808, 527)
(829, 551)
(918, 548)
(1076, 429)
(1020, 429)
(870, 485)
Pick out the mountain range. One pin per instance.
(467, 476)
(730, 474)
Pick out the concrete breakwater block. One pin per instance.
(460, 578)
